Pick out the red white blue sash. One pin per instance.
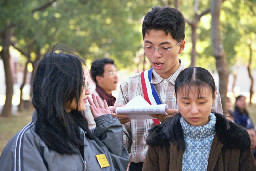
(149, 90)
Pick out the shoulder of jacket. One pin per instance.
(169, 130)
(231, 134)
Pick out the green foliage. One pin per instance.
(112, 28)
(238, 28)
(12, 11)
(95, 29)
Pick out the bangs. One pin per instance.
(196, 87)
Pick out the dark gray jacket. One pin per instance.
(27, 152)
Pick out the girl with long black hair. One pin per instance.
(58, 137)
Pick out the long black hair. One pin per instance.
(59, 78)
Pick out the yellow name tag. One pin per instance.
(103, 161)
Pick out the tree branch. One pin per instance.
(196, 6)
(7, 27)
(20, 50)
(44, 6)
(204, 12)
(189, 22)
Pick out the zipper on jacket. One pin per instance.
(84, 163)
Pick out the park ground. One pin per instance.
(11, 125)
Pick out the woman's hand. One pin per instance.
(97, 108)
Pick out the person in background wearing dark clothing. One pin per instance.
(240, 114)
(103, 73)
(58, 138)
(229, 114)
(196, 138)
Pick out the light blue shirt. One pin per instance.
(198, 140)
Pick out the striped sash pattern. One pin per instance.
(149, 90)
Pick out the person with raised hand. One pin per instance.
(58, 138)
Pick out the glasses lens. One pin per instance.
(161, 49)
(112, 73)
(148, 49)
(164, 49)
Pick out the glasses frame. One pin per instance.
(169, 49)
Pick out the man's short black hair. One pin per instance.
(97, 67)
(168, 19)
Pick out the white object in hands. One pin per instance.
(139, 108)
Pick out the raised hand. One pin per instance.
(97, 108)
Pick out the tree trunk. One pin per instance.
(194, 24)
(234, 83)
(21, 105)
(34, 65)
(6, 38)
(250, 73)
(218, 51)
(177, 4)
(169, 3)
(194, 38)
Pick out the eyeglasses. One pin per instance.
(111, 73)
(161, 49)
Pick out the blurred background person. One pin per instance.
(229, 114)
(103, 73)
(240, 114)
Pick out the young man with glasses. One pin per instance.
(103, 73)
(163, 32)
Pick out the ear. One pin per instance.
(182, 46)
(215, 96)
(99, 79)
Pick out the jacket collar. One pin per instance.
(104, 96)
(228, 133)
